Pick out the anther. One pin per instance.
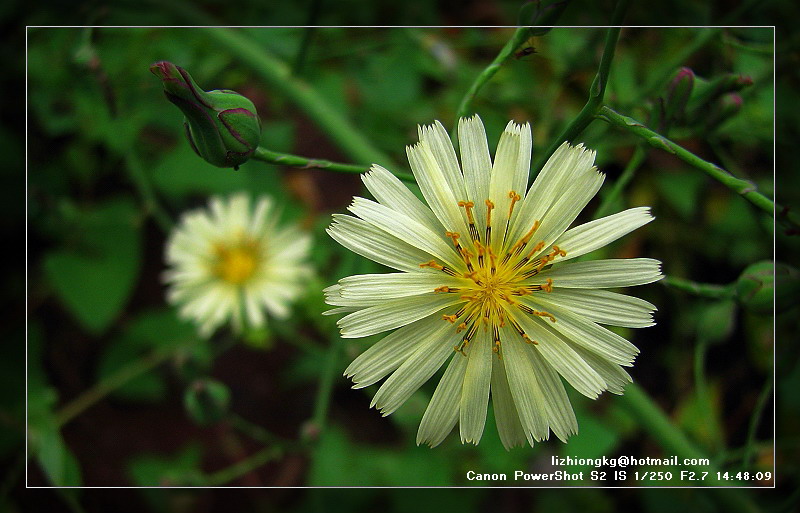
(432, 264)
(444, 288)
(514, 198)
(450, 318)
(548, 286)
(489, 208)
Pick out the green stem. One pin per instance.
(657, 424)
(102, 388)
(517, 39)
(755, 420)
(596, 91)
(624, 179)
(742, 187)
(258, 433)
(325, 389)
(243, 467)
(279, 77)
(286, 159)
(146, 192)
(708, 290)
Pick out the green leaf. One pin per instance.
(44, 439)
(94, 279)
(181, 469)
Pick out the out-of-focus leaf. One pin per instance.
(681, 189)
(94, 279)
(44, 438)
(182, 468)
(717, 320)
(699, 415)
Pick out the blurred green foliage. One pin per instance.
(104, 144)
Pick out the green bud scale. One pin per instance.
(222, 126)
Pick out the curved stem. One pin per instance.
(517, 39)
(596, 91)
(286, 159)
(755, 420)
(243, 467)
(744, 188)
(657, 424)
(102, 388)
(708, 290)
(624, 179)
(278, 76)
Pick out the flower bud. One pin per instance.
(222, 125)
(757, 286)
(678, 92)
(206, 400)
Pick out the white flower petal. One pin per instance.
(391, 351)
(590, 335)
(442, 412)
(404, 228)
(476, 164)
(615, 376)
(568, 206)
(394, 313)
(524, 388)
(475, 393)
(437, 191)
(416, 370)
(391, 192)
(362, 289)
(436, 138)
(505, 413)
(502, 181)
(611, 273)
(553, 181)
(559, 410)
(602, 306)
(561, 357)
(598, 233)
(374, 243)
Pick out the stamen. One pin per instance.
(514, 198)
(517, 248)
(432, 264)
(450, 318)
(489, 208)
(444, 288)
(473, 230)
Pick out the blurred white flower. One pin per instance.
(485, 284)
(231, 262)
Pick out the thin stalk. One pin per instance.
(708, 290)
(624, 179)
(145, 189)
(286, 159)
(755, 420)
(258, 433)
(325, 389)
(744, 188)
(517, 39)
(104, 387)
(653, 420)
(279, 77)
(596, 91)
(243, 467)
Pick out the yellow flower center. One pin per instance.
(236, 264)
(492, 284)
